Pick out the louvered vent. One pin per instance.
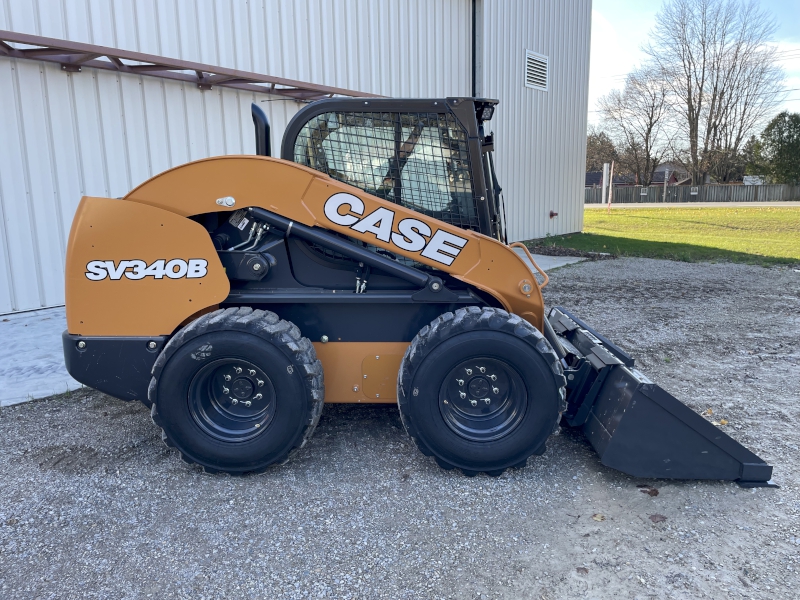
(535, 70)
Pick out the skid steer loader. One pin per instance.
(234, 295)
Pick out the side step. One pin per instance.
(638, 428)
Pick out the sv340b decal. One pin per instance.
(412, 234)
(177, 268)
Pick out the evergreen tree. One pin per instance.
(780, 148)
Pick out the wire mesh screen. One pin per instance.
(417, 160)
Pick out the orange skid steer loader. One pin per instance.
(235, 295)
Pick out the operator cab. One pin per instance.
(431, 156)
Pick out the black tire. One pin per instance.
(510, 422)
(229, 420)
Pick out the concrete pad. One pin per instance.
(31, 358)
(548, 263)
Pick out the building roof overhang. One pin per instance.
(73, 56)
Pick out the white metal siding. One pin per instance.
(541, 135)
(101, 133)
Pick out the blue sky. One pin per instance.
(620, 27)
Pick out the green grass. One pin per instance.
(763, 235)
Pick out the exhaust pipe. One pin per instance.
(261, 123)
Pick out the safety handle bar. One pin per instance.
(533, 262)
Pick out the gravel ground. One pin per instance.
(92, 505)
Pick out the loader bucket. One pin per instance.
(638, 428)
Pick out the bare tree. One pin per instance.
(715, 59)
(636, 116)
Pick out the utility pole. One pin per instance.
(610, 186)
(605, 183)
(666, 176)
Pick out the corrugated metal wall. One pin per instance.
(541, 136)
(99, 133)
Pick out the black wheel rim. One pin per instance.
(483, 399)
(232, 400)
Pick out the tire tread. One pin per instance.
(462, 320)
(267, 325)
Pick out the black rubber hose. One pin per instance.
(333, 242)
(552, 337)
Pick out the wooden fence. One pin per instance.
(700, 193)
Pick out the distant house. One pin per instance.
(595, 179)
(678, 175)
(658, 178)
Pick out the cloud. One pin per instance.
(619, 29)
(613, 56)
(788, 57)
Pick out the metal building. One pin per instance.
(70, 129)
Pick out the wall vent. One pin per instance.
(536, 71)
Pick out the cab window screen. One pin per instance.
(418, 160)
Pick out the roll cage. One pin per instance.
(429, 155)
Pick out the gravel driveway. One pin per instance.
(92, 505)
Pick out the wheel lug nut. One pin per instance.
(460, 381)
(227, 377)
(473, 402)
(482, 369)
(259, 382)
(252, 372)
(238, 370)
(234, 402)
(493, 377)
(225, 390)
(469, 371)
(256, 397)
(487, 400)
(462, 394)
(248, 403)
(496, 390)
